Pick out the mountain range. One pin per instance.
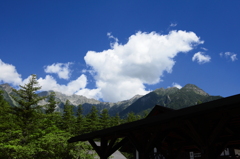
(170, 97)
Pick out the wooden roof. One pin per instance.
(204, 127)
(157, 110)
(224, 104)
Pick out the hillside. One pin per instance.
(171, 97)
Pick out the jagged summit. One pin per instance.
(6, 87)
(194, 88)
(74, 99)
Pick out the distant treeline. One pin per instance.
(33, 131)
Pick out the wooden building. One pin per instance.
(203, 130)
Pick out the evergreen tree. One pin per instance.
(28, 109)
(79, 113)
(104, 119)
(52, 120)
(131, 117)
(50, 107)
(79, 128)
(7, 121)
(145, 114)
(5, 116)
(68, 117)
(92, 120)
(116, 120)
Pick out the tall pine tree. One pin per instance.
(68, 117)
(92, 120)
(27, 111)
(50, 107)
(81, 120)
(116, 120)
(104, 119)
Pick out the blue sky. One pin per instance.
(113, 50)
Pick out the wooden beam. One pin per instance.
(96, 148)
(117, 146)
(137, 144)
(193, 133)
(103, 147)
(221, 148)
(156, 139)
(105, 150)
(218, 128)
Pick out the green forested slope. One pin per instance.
(171, 97)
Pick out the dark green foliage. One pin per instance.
(7, 120)
(27, 112)
(51, 145)
(81, 121)
(116, 120)
(104, 119)
(92, 120)
(145, 113)
(131, 117)
(50, 107)
(5, 110)
(68, 117)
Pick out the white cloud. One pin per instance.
(110, 36)
(49, 83)
(205, 49)
(234, 57)
(201, 58)
(9, 74)
(230, 55)
(176, 85)
(61, 69)
(122, 71)
(173, 24)
(90, 93)
(84, 71)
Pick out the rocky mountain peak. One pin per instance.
(162, 91)
(6, 87)
(194, 88)
(136, 97)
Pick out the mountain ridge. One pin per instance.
(171, 97)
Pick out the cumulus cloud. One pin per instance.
(61, 69)
(201, 58)
(9, 74)
(49, 83)
(176, 85)
(230, 55)
(123, 70)
(90, 93)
